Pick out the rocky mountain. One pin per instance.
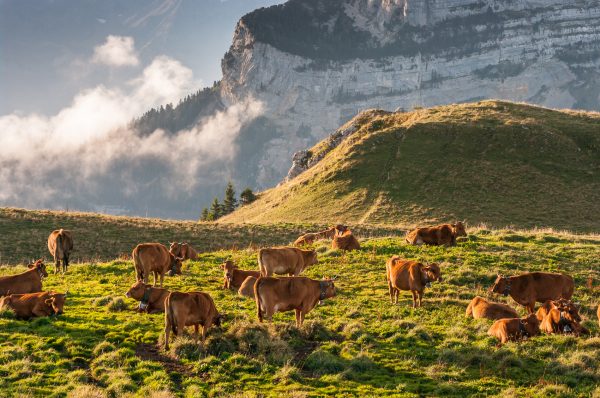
(315, 64)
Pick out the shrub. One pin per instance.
(321, 362)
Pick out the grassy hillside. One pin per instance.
(356, 344)
(491, 162)
(100, 237)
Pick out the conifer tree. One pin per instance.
(230, 202)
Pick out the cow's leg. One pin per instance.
(196, 326)
(530, 308)
(420, 294)
(56, 265)
(39, 311)
(298, 323)
(396, 294)
(167, 331)
(414, 294)
(66, 263)
(162, 277)
(391, 289)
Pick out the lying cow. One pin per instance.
(285, 260)
(290, 293)
(60, 244)
(234, 277)
(27, 282)
(410, 275)
(529, 288)
(514, 329)
(31, 305)
(189, 309)
(152, 299)
(183, 250)
(560, 316)
(345, 241)
(247, 288)
(481, 308)
(444, 234)
(156, 259)
(311, 237)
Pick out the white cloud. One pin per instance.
(116, 51)
(87, 152)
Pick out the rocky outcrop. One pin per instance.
(316, 63)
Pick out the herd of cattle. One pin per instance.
(22, 293)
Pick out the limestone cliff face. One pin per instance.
(317, 63)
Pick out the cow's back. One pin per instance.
(482, 308)
(22, 283)
(281, 260)
(549, 286)
(401, 272)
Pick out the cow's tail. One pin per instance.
(170, 315)
(261, 266)
(257, 298)
(137, 264)
(58, 246)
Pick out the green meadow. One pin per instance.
(355, 344)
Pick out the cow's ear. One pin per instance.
(222, 266)
(49, 301)
(31, 265)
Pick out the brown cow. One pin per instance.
(189, 309)
(183, 250)
(311, 237)
(152, 299)
(481, 308)
(156, 259)
(598, 314)
(444, 234)
(33, 305)
(234, 277)
(532, 287)
(410, 275)
(290, 293)
(345, 241)
(247, 288)
(60, 244)
(285, 260)
(27, 282)
(514, 329)
(560, 316)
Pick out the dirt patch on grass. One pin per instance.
(150, 352)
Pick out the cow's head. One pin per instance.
(175, 248)
(175, 266)
(40, 267)
(311, 257)
(327, 287)
(228, 267)
(459, 229)
(340, 229)
(531, 324)
(136, 291)
(219, 319)
(433, 272)
(500, 286)
(57, 302)
(568, 310)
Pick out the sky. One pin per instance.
(47, 46)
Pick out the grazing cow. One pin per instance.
(560, 316)
(27, 282)
(152, 299)
(529, 288)
(33, 305)
(410, 275)
(481, 308)
(189, 309)
(514, 329)
(285, 260)
(345, 240)
(290, 293)
(234, 277)
(183, 250)
(247, 288)
(444, 234)
(60, 244)
(156, 259)
(311, 237)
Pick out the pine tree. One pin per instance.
(204, 215)
(230, 202)
(247, 196)
(215, 210)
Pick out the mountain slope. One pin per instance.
(490, 162)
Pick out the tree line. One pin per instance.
(219, 209)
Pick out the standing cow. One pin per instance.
(290, 293)
(189, 309)
(410, 275)
(285, 260)
(532, 287)
(156, 259)
(27, 282)
(60, 244)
